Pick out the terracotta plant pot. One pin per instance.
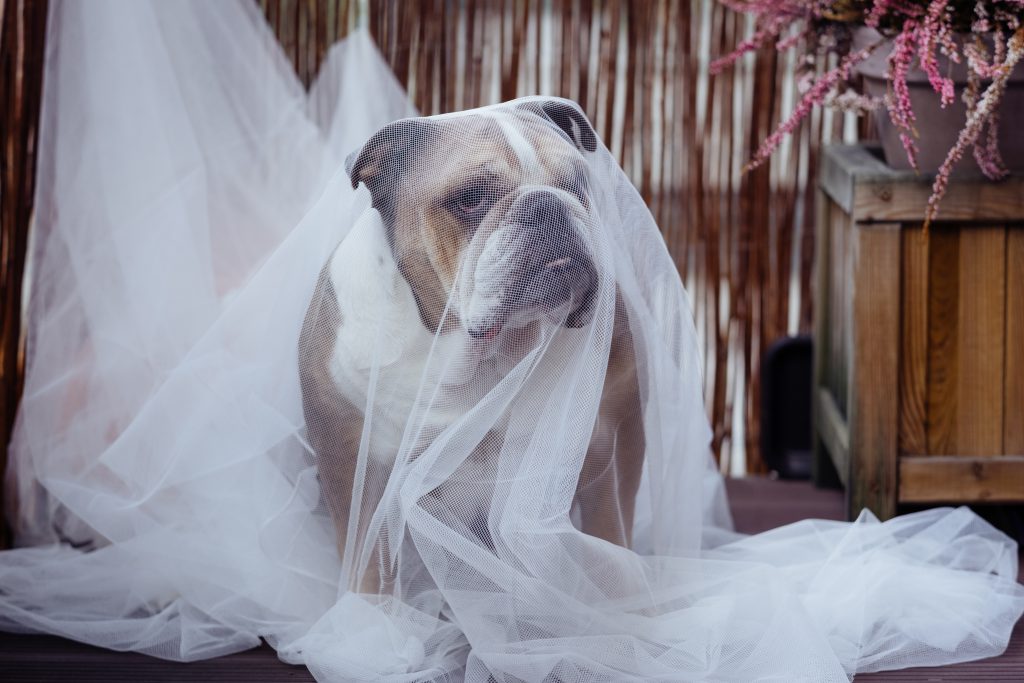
(938, 128)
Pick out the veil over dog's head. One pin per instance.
(511, 342)
(490, 214)
(502, 290)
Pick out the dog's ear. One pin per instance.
(571, 120)
(381, 161)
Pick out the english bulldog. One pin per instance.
(477, 239)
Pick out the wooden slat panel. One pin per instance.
(943, 318)
(874, 369)
(961, 479)
(981, 334)
(820, 468)
(822, 278)
(841, 168)
(839, 310)
(22, 38)
(861, 183)
(914, 342)
(969, 201)
(832, 265)
(833, 432)
(1013, 381)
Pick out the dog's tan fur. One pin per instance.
(428, 244)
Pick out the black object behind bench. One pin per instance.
(786, 386)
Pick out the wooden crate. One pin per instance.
(919, 337)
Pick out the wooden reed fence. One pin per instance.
(22, 31)
(743, 243)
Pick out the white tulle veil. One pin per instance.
(367, 411)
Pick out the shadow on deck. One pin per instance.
(758, 505)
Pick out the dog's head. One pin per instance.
(491, 209)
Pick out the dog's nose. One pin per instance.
(550, 268)
(556, 255)
(542, 210)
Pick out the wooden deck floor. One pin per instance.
(758, 504)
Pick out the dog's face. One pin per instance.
(490, 211)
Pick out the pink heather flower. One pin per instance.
(1009, 17)
(768, 31)
(853, 102)
(900, 110)
(974, 76)
(791, 41)
(981, 24)
(976, 122)
(977, 59)
(987, 155)
(815, 96)
(933, 32)
(882, 8)
(921, 31)
(743, 6)
(999, 52)
(805, 82)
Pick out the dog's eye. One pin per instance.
(469, 200)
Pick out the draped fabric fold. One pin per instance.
(407, 398)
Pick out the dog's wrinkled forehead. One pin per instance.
(515, 146)
(528, 142)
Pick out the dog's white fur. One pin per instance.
(380, 343)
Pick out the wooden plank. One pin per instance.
(914, 342)
(873, 400)
(961, 479)
(821, 471)
(760, 504)
(972, 200)
(943, 319)
(981, 334)
(22, 49)
(857, 179)
(833, 432)
(1013, 379)
(839, 307)
(843, 166)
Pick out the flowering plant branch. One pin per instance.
(921, 31)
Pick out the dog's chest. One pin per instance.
(384, 360)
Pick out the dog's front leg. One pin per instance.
(608, 483)
(334, 427)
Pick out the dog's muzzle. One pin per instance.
(535, 264)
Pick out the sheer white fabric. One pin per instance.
(447, 425)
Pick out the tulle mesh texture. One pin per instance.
(411, 399)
